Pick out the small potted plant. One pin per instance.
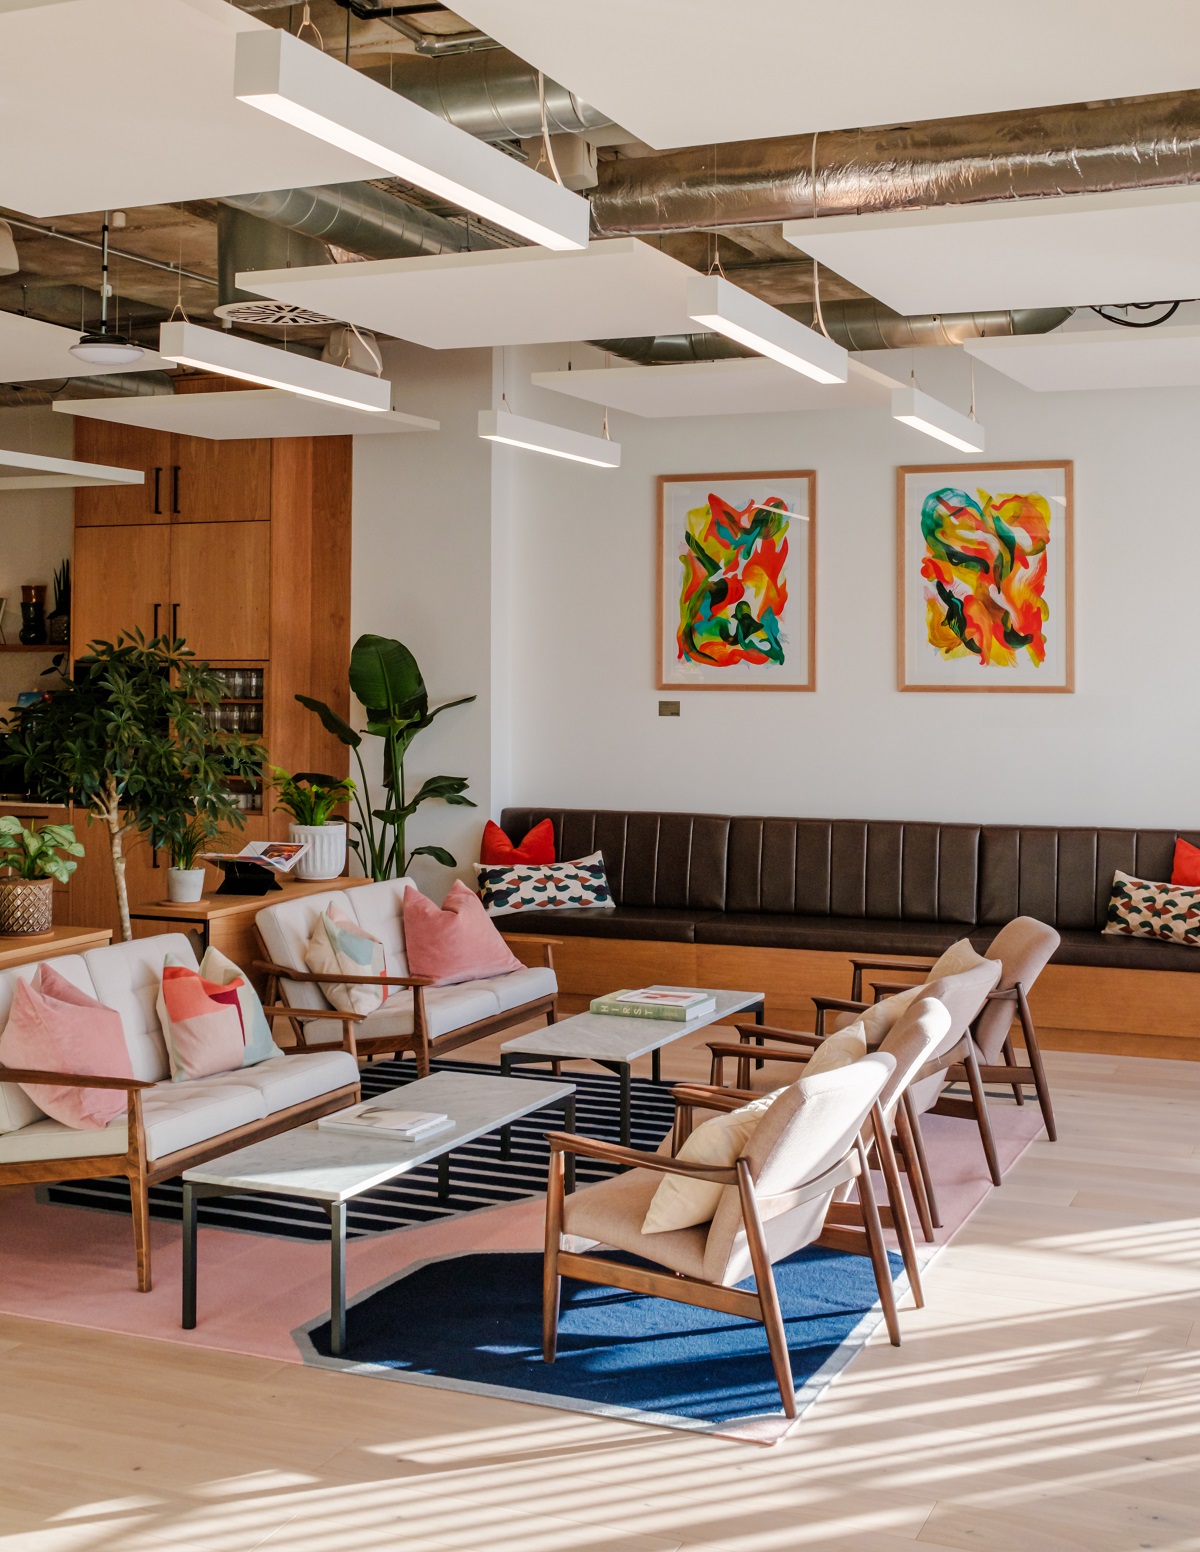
(186, 839)
(36, 858)
(310, 798)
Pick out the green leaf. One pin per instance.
(438, 853)
(446, 787)
(385, 677)
(463, 700)
(331, 722)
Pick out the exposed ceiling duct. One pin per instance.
(994, 156)
(104, 385)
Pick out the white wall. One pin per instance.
(35, 538)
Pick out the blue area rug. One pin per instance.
(474, 1323)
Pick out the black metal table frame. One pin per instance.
(197, 1191)
(623, 1070)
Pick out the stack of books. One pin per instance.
(386, 1121)
(678, 1003)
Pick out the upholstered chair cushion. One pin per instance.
(910, 1045)
(838, 1050)
(1024, 948)
(962, 995)
(679, 1203)
(958, 957)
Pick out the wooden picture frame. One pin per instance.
(925, 665)
(789, 630)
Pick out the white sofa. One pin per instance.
(416, 1016)
(168, 1125)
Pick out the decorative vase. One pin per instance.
(33, 615)
(185, 885)
(26, 907)
(326, 854)
(58, 625)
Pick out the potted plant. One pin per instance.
(35, 859)
(185, 839)
(310, 798)
(385, 678)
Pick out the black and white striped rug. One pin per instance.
(479, 1177)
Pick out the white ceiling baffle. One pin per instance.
(1167, 356)
(252, 412)
(36, 471)
(32, 351)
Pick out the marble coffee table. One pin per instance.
(615, 1043)
(335, 1167)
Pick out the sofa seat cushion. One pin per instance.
(521, 986)
(180, 1115)
(284, 1081)
(612, 1213)
(623, 921)
(48, 1139)
(1105, 949)
(447, 1008)
(834, 934)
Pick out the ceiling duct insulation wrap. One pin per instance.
(1153, 141)
(104, 385)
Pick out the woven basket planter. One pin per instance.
(26, 907)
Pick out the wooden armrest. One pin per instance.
(788, 1036)
(528, 937)
(708, 1096)
(766, 1054)
(611, 1153)
(71, 1080)
(840, 1004)
(282, 1010)
(889, 988)
(288, 974)
(870, 962)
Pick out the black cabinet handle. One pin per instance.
(175, 489)
(157, 490)
(154, 632)
(175, 622)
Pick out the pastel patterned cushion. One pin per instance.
(221, 970)
(55, 1027)
(339, 946)
(526, 887)
(201, 1021)
(1139, 908)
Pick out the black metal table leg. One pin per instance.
(569, 1126)
(337, 1277)
(444, 1177)
(760, 1012)
(505, 1131)
(656, 1064)
(626, 1104)
(189, 1256)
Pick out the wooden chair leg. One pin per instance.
(1040, 1082)
(912, 1169)
(1010, 1059)
(900, 1219)
(139, 1199)
(768, 1294)
(918, 1142)
(979, 1101)
(551, 1281)
(879, 1258)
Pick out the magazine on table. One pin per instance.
(277, 856)
(386, 1120)
(678, 1003)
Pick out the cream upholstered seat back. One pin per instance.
(1024, 948)
(808, 1129)
(962, 996)
(287, 927)
(127, 977)
(911, 1043)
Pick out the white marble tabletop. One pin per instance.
(335, 1166)
(605, 1037)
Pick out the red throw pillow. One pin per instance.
(456, 943)
(537, 849)
(1187, 864)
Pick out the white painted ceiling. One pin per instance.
(111, 103)
(753, 386)
(32, 351)
(507, 296)
(1163, 357)
(257, 412)
(37, 471)
(695, 72)
(1080, 250)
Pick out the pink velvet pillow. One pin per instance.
(55, 1027)
(457, 942)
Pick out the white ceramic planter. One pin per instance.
(185, 885)
(326, 854)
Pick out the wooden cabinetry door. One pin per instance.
(219, 482)
(128, 447)
(121, 580)
(221, 589)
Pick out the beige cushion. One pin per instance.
(881, 1018)
(679, 1203)
(958, 957)
(337, 947)
(46, 1139)
(612, 1212)
(838, 1050)
(519, 986)
(446, 1008)
(379, 910)
(284, 1081)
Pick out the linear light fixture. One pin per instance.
(720, 305)
(216, 351)
(311, 91)
(936, 419)
(540, 436)
(37, 471)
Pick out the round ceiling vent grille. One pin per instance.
(272, 314)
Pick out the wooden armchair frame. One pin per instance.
(761, 1305)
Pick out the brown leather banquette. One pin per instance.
(879, 886)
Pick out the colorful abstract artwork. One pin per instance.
(985, 577)
(736, 581)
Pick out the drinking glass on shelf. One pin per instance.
(255, 688)
(236, 681)
(233, 719)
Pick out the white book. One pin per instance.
(386, 1121)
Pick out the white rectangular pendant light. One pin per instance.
(37, 471)
(720, 305)
(936, 419)
(311, 91)
(216, 351)
(540, 436)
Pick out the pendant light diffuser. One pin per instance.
(540, 436)
(296, 83)
(215, 351)
(727, 309)
(936, 419)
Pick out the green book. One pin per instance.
(677, 1004)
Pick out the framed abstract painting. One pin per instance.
(985, 588)
(736, 581)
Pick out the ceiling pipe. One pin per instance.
(103, 385)
(994, 156)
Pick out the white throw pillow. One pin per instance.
(880, 1018)
(958, 957)
(839, 1050)
(679, 1202)
(339, 946)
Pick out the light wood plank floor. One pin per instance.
(1046, 1400)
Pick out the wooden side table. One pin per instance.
(226, 922)
(26, 950)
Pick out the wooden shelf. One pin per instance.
(49, 649)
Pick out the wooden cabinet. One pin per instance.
(221, 590)
(121, 581)
(128, 447)
(220, 482)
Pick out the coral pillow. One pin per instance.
(338, 945)
(201, 1021)
(496, 850)
(1186, 870)
(54, 1027)
(456, 943)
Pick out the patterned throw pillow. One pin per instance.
(221, 970)
(201, 1022)
(339, 945)
(505, 890)
(1139, 908)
